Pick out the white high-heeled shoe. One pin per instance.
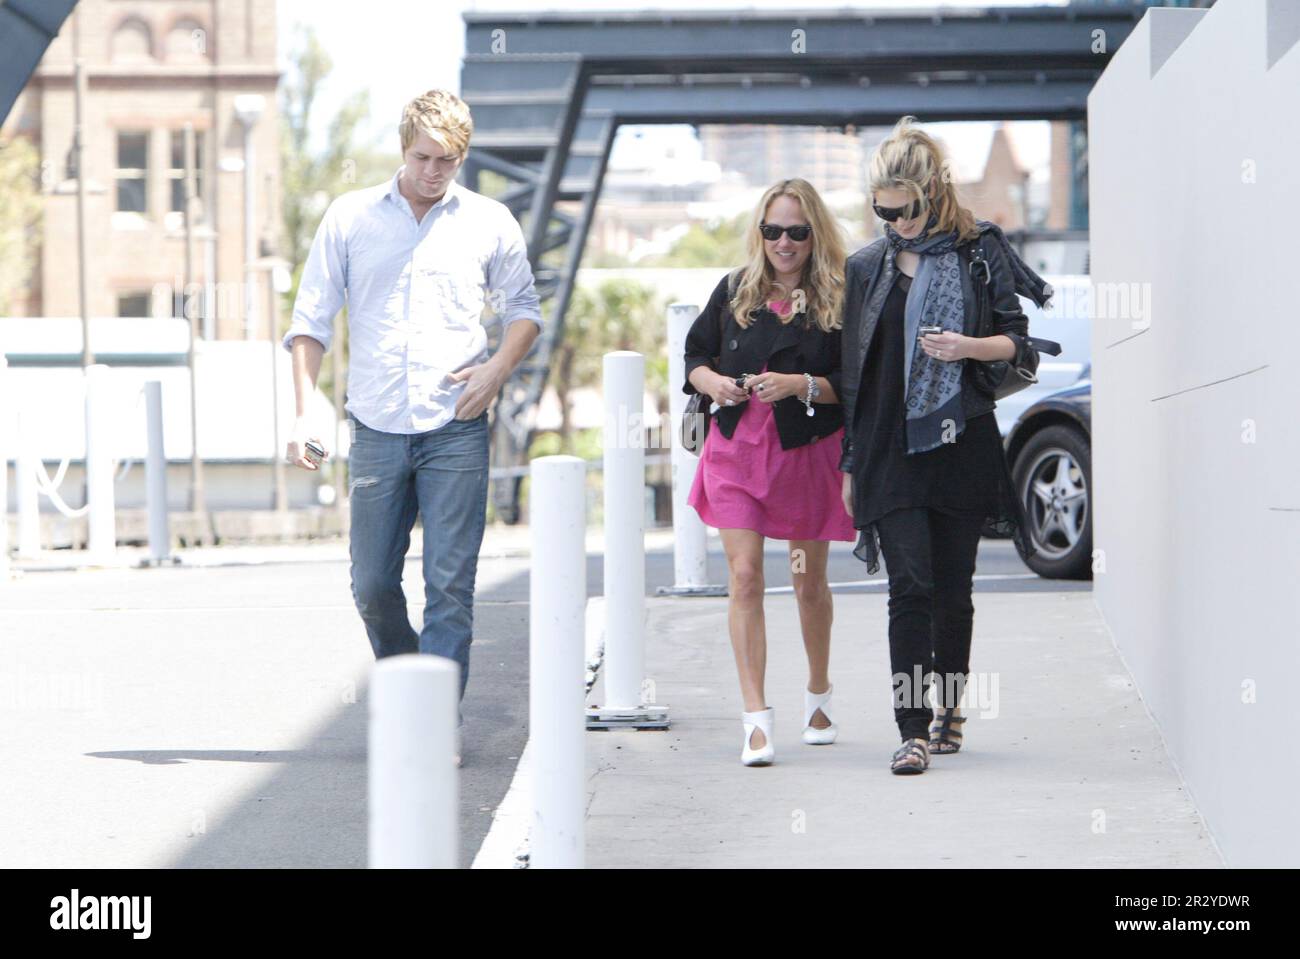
(762, 719)
(811, 703)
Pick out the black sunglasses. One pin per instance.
(773, 232)
(891, 213)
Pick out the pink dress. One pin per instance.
(750, 482)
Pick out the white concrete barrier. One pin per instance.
(413, 786)
(1196, 511)
(624, 669)
(690, 538)
(557, 677)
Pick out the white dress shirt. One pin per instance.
(415, 293)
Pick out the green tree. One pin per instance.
(312, 179)
(20, 212)
(720, 244)
(620, 314)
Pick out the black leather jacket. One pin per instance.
(784, 347)
(867, 281)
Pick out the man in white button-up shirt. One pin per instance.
(416, 260)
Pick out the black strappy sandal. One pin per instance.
(911, 758)
(943, 737)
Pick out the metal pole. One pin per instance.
(198, 497)
(277, 453)
(210, 282)
(101, 520)
(156, 477)
(249, 108)
(557, 677)
(413, 786)
(250, 241)
(78, 147)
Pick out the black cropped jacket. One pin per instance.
(867, 278)
(793, 347)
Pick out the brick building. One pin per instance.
(152, 67)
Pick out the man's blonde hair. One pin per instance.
(443, 116)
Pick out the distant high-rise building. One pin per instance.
(829, 159)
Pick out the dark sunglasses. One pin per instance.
(891, 213)
(773, 232)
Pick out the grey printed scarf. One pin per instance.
(933, 400)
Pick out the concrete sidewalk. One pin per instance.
(1070, 772)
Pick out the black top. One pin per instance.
(964, 476)
(716, 340)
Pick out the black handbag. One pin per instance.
(695, 423)
(999, 378)
(696, 416)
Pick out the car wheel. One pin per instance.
(1053, 476)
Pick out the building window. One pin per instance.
(176, 172)
(132, 40)
(133, 305)
(132, 171)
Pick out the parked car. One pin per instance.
(1049, 450)
(1046, 432)
(1068, 321)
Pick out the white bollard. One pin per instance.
(413, 785)
(557, 591)
(156, 476)
(100, 429)
(624, 385)
(690, 538)
(626, 704)
(26, 492)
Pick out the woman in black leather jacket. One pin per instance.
(926, 472)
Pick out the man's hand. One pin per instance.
(296, 454)
(482, 384)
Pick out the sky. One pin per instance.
(404, 47)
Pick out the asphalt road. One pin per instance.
(196, 662)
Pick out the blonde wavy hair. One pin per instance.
(823, 278)
(910, 160)
(442, 115)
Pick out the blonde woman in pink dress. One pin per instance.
(766, 349)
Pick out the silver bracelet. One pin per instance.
(812, 394)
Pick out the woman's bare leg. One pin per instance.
(813, 595)
(745, 621)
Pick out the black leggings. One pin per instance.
(930, 557)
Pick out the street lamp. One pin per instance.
(248, 109)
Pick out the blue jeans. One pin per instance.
(444, 475)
